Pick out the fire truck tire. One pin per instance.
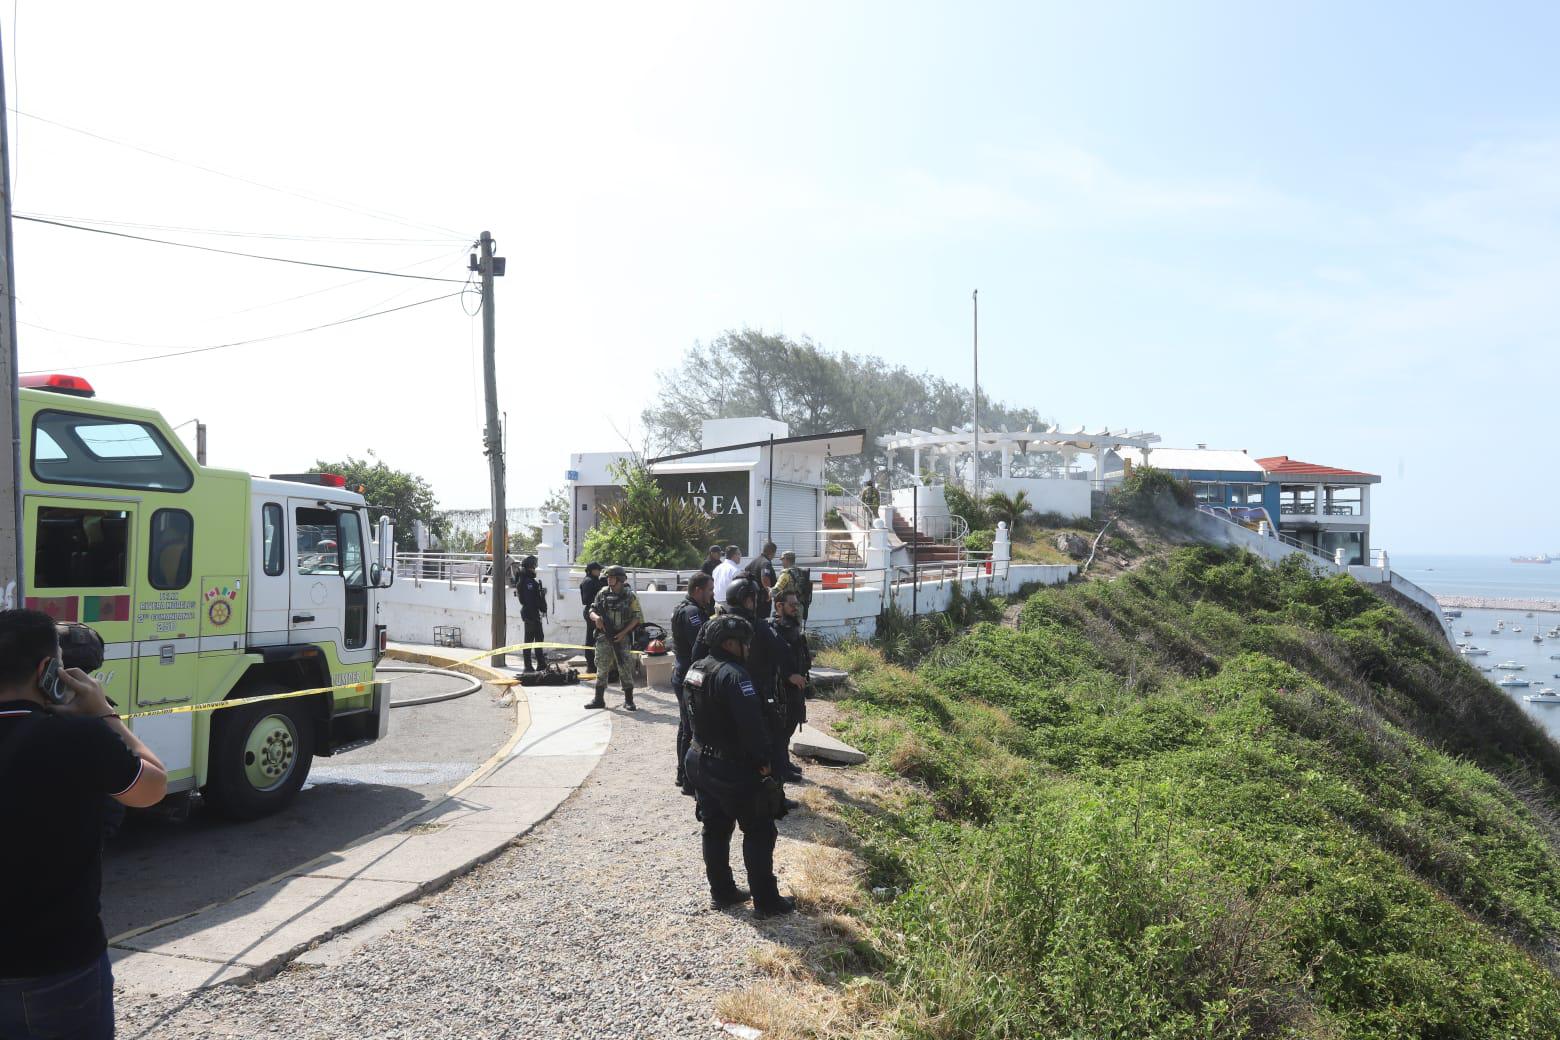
(260, 755)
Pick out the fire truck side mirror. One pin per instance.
(385, 549)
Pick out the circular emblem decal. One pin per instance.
(220, 612)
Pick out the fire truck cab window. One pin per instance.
(81, 548)
(319, 542)
(172, 549)
(273, 538)
(101, 451)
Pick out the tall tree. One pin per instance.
(402, 496)
(812, 390)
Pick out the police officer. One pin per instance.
(794, 579)
(588, 589)
(533, 607)
(788, 625)
(728, 763)
(687, 619)
(615, 614)
(761, 571)
(768, 659)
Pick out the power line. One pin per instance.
(278, 236)
(316, 199)
(234, 252)
(221, 346)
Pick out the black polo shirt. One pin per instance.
(55, 772)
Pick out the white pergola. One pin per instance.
(1069, 444)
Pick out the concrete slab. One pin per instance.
(809, 743)
(496, 808)
(154, 974)
(427, 858)
(260, 931)
(541, 771)
(337, 950)
(565, 728)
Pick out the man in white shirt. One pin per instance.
(728, 570)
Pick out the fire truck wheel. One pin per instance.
(260, 756)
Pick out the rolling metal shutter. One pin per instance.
(795, 524)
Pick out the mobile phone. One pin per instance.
(50, 684)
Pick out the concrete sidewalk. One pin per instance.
(555, 746)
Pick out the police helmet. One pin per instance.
(722, 627)
(615, 571)
(529, 561)
(740, 591)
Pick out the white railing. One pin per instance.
(444, 566)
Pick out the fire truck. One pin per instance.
(206, 585)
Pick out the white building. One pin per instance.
(751, 478)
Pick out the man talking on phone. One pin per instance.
(62, 748)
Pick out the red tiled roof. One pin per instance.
(1288, 467)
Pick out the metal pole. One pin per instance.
(494, 448)
(975, 394)
(769, 523)
(11, 584)
(915, 524)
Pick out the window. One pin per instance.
(273, 539)
(101, 451)
(318, 539)
(173, 547)
(351, 542)
(81, 548)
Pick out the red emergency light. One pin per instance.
(73, 385)
(335, 480)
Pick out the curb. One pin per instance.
(252, 935)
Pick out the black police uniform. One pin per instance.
(795, 639)
(731, 744)
(533, 604)
(768, 658)
(687, 620)
(588, 589)
(759, 568)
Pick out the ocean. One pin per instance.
(1506, 634)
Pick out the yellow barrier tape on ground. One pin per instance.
(358, 687)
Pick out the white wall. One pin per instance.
(411, 609)
(1071, 498)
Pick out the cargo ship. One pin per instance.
(1540, 558)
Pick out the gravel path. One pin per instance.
(593, 925)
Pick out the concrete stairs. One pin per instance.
(924, 550)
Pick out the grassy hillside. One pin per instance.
(1209, 799)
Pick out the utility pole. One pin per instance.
(10, 412)
(975, 393)
(490, 267)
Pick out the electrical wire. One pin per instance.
(234, 252)
(343, 285)
(316, 199)
(228, 233)
(221, 346)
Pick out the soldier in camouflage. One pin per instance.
(616, 614)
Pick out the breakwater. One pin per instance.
(1497, 603)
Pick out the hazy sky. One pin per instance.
(1322, 230)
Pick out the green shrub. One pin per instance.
(962, 503)
(1153, 494)
(645, 528)
(980, 541)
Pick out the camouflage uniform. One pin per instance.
(619, 610)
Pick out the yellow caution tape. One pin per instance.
(358, 687)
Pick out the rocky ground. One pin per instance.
(595, 924)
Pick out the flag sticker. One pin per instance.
(60, 608)
(105, 608)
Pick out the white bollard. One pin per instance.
(1002, 544)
